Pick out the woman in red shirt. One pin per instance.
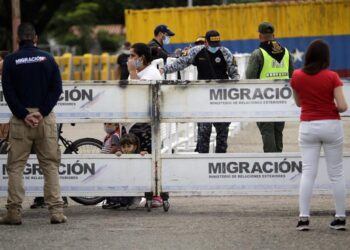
(319, 93)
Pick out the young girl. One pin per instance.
(129, 144)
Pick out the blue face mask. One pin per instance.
(138, 63)
(166, 40)
(213, 49)
(109, 130)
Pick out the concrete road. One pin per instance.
(239, 222)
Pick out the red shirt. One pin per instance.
(315, 94)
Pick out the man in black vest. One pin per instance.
(213, 61)
(161, 37)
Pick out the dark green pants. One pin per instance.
(272, 135)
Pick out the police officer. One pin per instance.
(162, 35)
(213, 61)
(270, 61)
(32, 84)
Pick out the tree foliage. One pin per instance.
(55, 18)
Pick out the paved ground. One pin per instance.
(240, 222)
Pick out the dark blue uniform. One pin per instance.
(31, 78)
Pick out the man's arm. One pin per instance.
(55, 90)
(255, 64)
(14, 103)
(183, 61)
(232, 68)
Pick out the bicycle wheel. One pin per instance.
(88, 201)
(86, 146)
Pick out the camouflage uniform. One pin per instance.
(222, 67)
(203, 139)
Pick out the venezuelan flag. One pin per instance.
(296, 25)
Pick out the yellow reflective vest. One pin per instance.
(272, 69)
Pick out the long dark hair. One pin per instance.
(317, 57)
(130, 139)
(141, 49)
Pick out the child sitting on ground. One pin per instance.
(130, 144)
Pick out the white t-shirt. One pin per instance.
(150, 73)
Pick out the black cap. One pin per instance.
(164, 29)
(266, 28)
(213, 38)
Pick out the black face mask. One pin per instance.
(274, 49)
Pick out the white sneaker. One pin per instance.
(143, 202)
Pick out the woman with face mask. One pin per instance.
(140, 68)
(139, 63)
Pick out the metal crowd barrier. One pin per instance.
(160, 102)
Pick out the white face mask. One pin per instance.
(166, 40)
(138, 63)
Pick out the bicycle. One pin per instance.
(81, 146)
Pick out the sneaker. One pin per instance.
(38, 203)
(338, 224)
(134, 204)
(157, 201)
(143, 202)
(303, 225)
(111, 205)
(58, 218)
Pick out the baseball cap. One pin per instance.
(164, 29)
(266, 28)
(213, 38)
(199, 40)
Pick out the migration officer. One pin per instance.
(32, 85)
(213, 61)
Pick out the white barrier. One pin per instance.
(242, 64)
(230, 174)
(210, 101)
(101, 101)
(92, 175)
